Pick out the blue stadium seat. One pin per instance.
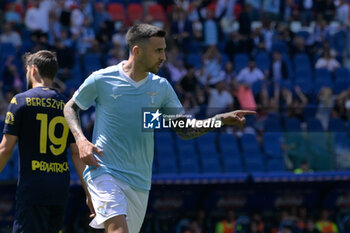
(250, 146)
(341, 144)
(7, 49)
(211, 164)
(288, 61)
(189, 164)
(166, 161)
(262, 60)
(240, 61)
(91, 63)
(194, 59)
(339, 41)
(276, 165)
(342, 74)
(188, 156)
(336, 125)
(272, 144)
(292, 124)
(165, 138)
(305, 84)
(309, 111)
(323, 75)
(302, 62)
(314, 125)
(304, 34)
(230, 153)
(280, 46)
(254, 165)
(272, 124)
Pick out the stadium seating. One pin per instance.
(157, 13)
(230, 153)
(91, 63)
(276, 165)
(336, 125)
(116, 12)
(272, 144)
(240, 61)
(135, 12)
(189, 163)
(262, 60)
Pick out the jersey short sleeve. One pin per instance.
(86, 95)
(171, 104)
(13, 116)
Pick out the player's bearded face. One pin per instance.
(155, 54)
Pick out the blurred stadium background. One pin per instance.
(288, 171)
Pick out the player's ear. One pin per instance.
(34, 70)
(136, 50)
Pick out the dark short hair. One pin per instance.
(45, 61)
(141, 32)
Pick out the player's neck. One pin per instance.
(42, 83)
(131, 69)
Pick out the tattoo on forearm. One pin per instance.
(71, 113)
(191, 132)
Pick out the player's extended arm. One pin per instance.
(6, 147)
(230, 118)
(79, 167)
(86, 148)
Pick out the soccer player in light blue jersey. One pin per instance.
(119, 158)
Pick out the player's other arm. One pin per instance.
(86, 148)
(79, 167)
(6, 147)
(236, 118)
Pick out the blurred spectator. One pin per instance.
(77, 20)
(310, 226)
(220, 99)
(228, 18)
(341, 105)
(271, 9)
(10, 36)
(342, 13)
(101, 16)
(86, 37)
(293, 106)
(254, 227)
(324, 224)
(55, 27)
(227, 225)
(238, 44)
(325, 105)
(326, 8)
(250, 74)
(37, 17)
(12, 16)
(244, 20)
(211, 64)
(320, 34)
(278, 69)
(181, 29)
(229, 72)
(11, 77)
(327, 61)
(299, 46)
(269, 34)
(87, 9)
(303, 168)
(188, 83)
(211, 26)
(306, 7)
(116, 54)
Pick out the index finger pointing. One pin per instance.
(246, 112)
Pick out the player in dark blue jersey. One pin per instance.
(35, 120)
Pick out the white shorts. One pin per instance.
(112, 197)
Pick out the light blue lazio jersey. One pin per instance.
(127, 150)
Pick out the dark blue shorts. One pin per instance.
(30, 218)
